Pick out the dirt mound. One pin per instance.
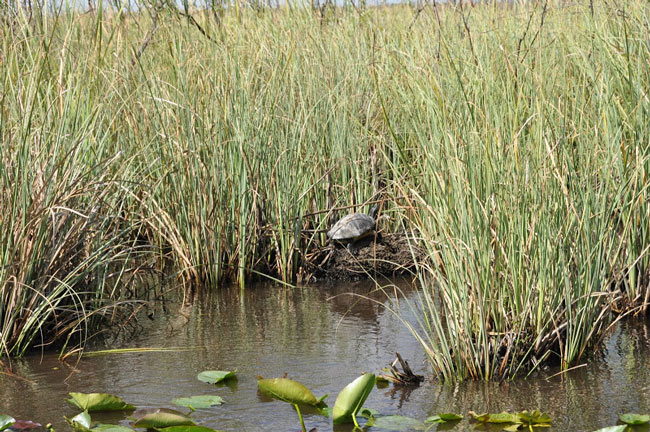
(388, 255)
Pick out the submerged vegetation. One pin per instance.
(221, 147)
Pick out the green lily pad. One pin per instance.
(215, 376)
(620, 428)
(186, 429)
(444, 417)
(396, 423)
(504, 417)
(93, 402)
(111, 428)
(163, 418)
(195, 402)
(351, 399)
(80, 422)
(534, 418)
(290, 391)
(634, 419)
(6, 421)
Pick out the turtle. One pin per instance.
(354, 227)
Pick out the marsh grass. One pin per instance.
(515, 149)
(532, 193)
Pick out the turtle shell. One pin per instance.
(351, 227)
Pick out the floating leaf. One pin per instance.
(111, 428)
(186, 429)
(195, 402)
(634, 419)
(6, 421)
(162, 418)
(396, 423)
(215, 376)
(613, 429)
(80, 422)
(351, 398)
(290, 391)
(444, 417)
(534, 418)
(93, 402)
(503, 417)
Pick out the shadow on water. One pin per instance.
(324, 338)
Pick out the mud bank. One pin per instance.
(387, 255)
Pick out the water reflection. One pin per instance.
(324, 338)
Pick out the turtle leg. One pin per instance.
(352, 247)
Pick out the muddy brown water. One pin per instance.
(325, 339)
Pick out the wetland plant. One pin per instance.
(91, 402)
(350, 400)
(531, 191)
(216, 376)
(519, 159)
(6, 421)
(159, 418)
(515, 421)
(292, 392)
(200, 401)
(634, 419)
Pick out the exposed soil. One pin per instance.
(386, 255)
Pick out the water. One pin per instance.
(325, 343)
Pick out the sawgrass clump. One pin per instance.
(515, 150)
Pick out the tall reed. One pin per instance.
(532, 190)
(65, 240)
(516, 150)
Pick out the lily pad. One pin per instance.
(215, 376)
(634, 419)
(195, 402)
(504, 417)
(186, 429)
(6, 421)
(535, 418)
(93, 402)
(111, 428)
(163, 418)
(351, 399)
(290, 391)
(396, 423)
(80, 422)
(444, 417)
